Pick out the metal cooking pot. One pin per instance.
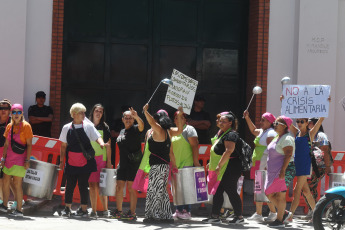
(40, 179)
(107, 183)
(189, 186)
(336, 179)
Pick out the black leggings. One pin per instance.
(83, 183)
(229, 185)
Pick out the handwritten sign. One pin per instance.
(102, 180)
(182, 92)
(33, 176)
(200, 186)
(305, 101)
(258, 182)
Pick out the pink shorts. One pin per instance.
(94, 177)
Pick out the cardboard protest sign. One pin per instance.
(182, 92)
(305, 101)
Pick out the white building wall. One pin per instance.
(25, 49)
(295, 27)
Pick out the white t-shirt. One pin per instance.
(266, 134)
(286, 140)
(89, 129)
(189, 131)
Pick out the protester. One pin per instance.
(102, 157)
(41, 116)
(200, 120)
(130, 156)
(263, 137)
(186, 152)
(226, 166)
(157, 206)
(16, 156)
(76, 138)
(321, 141)
(280, 168)
(5, 108)
(303, 139)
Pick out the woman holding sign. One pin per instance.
(303, 161)
(76, 138)
(130, 156)
(264, 136)
(186, 152)
(102, 157)
(157, 206)
(16, 156)
(225, 168)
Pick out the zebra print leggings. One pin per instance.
(157, 198)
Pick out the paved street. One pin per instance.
(46, 217)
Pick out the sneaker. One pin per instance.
(81, 213)
(149, 220)
(3, 208)
(276, 224)
(14, 205)
(212, 220)
(16, 213)
(287, 218)
(117, 214)
(256, 217)
(309, 216)
(129, 216)
(66, 212)
(225, 215)
(271, 217)
(184, 215)
(237, 220)
(176, 214)
(93, 215)
(106, 214)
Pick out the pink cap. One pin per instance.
(17, 106)
(224, 113)
(269, 116)
(162, 110)
(287, 120)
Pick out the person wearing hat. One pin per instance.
(280, 169)
(41, 116)
(200, 120)
(16, 156)
(263, 136)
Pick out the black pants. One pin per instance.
(228, 184)
(83, 183)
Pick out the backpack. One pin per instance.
(246, 156)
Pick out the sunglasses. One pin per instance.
(17, 112)
(5, 108)
(278, 123)
(300, 121)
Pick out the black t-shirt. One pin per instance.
(219, 149)
(43, 128)
(129, 140)
(203, 135)
(106, 131)
(2, 131)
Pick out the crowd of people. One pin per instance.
(281, 148)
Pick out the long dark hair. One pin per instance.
(314, 120)
(232, 117)
(102, 121)
(163, 120)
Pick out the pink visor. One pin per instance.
(269, 116)
(17, 106)
(287, 120)
(162, 110)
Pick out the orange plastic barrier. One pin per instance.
(338, 167)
